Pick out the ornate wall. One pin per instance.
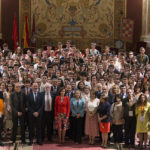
(79, 20)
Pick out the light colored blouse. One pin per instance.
(92, 105)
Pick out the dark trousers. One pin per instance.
(1, 127)
(34, 127)
(69, 131)
(26, 121)
(77, 129)
(117, 133)
(16, 121)
(130, 128)
(47, 123)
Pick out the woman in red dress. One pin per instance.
(62, 111)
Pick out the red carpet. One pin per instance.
(66, 147)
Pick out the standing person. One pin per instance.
(7, 111)
(91, 121)
(1, 116)
(104, 119)
(62, 112)
(77, 108)
(130, 119)
(48, 115)
(35, 111)
(116, 113)
(18, 104)
(142, 58)
(143, 119)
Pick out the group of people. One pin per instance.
(92, 93)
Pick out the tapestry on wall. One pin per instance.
(78, 20)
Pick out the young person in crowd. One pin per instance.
(107, 73)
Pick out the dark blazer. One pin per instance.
(70, 95)
(35, 106)
(54, 93)
(24, 90)
(15, 103)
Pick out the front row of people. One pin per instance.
(40, 111)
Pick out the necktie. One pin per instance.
(48, 103)
(35, 94)
(27, 91)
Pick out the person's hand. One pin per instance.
(78, 115)
(55, 118)
(99, 119)
(36, 114)
(19, 114)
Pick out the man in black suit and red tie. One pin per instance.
(35, 112)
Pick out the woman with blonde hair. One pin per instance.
(77, 108)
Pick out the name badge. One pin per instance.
(142, 118)
(130, 113)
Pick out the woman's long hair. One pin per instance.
(139, 103)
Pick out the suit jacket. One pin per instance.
(14, 102)
(70, 95)
(35, 106)
(77, 108)
(54, 92)
(62, 107)
(24, 90)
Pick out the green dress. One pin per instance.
(142, 118)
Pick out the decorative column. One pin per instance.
(0, 19)
(146, 22)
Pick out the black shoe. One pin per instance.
(132, 146)
(40, 143)
(24, 142)
(31, 143)
(126, 146)
(1, 144)
(49, 139)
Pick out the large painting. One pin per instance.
(86, 20)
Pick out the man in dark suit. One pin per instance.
(35, 111)
(18, 104)
(54, 87)
(48, 116)
(26, 89)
